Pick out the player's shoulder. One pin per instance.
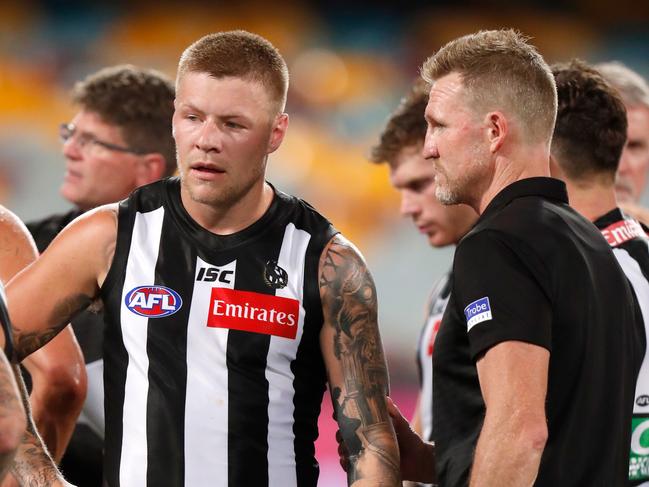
(341, 242)
(293, 209)
(17, 248)
(9, 221)
(94, 225)
(13, 233)
(148, 197)
(300, 208)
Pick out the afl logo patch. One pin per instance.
(274, 276)
(153, 301)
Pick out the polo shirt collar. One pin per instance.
(548, 188)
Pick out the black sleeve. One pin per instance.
(497, 293)
(43, 232)
(6, 325)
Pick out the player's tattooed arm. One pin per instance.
(356, 366)
(26, 342)
(32, 465)
(65, 279)
(12, 416)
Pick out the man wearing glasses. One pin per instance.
(119, 139)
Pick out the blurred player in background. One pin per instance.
(119, 139)
(588, 139)
(400, 145)
(634, 164)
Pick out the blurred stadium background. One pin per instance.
(349, 62)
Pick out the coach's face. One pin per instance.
(224, 130)
(95, 173)
(455, 143)
(634, 164)
(414, 178)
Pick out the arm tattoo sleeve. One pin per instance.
(32, 465)
(349, 304)
(26, 343)
(11, 410)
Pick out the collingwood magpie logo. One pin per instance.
(274, 276)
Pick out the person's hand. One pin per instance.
(636, 211)
(416, 455)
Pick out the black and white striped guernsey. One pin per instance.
(213, 369)
(435, 310)
(631, 248)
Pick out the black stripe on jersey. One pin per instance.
(115, 354)
(167, 353)
(246, 359)
(309, 372)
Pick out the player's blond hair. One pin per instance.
(238, 54)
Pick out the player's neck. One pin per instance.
(229, 219)
(591, 198)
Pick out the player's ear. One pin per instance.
(280, 125)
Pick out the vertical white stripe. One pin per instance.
(641, 287)
(282, 351)
(426, 392)
(140, 271)
(206, 406)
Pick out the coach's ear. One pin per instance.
(497, 130)
(150, 168)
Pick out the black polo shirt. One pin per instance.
(534, 270)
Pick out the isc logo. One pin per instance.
(213, 274)
(153, 301)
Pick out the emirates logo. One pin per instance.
(274, 276)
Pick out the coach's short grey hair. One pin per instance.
(633, 87)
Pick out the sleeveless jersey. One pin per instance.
(631, 248)
(436, 306)
(213, 370)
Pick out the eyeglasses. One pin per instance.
(84, 139)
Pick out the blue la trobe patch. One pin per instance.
(477, 312)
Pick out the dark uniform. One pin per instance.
(213, 369)
(630, 245)
(535, 271)
(83, 459)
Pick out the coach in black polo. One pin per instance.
(536, 357)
